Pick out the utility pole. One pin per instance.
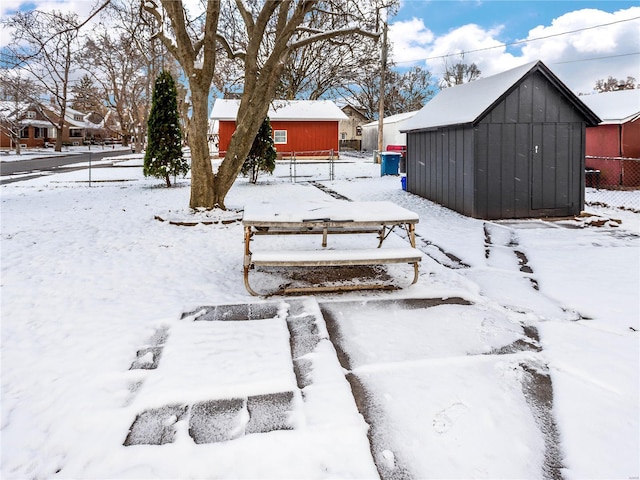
(383, 70)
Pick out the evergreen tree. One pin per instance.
(262, 157)
(163, 157)
(86, 97)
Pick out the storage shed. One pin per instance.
(308, 128)
(506, 146)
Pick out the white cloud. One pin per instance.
(410, 39)
(569, 56)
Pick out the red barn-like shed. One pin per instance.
(308, 128)
(613, 147)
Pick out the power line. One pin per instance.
(519, 42)
(597, 58)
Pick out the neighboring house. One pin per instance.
(506, 146)
(613, 147)
(306, 128)
(351, 128)
(26, 118)
(36, 129)
(79, 127)
(391, 128)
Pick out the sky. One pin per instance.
(427, 33)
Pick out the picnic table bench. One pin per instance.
(325, 218)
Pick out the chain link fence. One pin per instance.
(314, 165)
(613, 182)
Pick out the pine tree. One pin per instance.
(163, 157)
(262, 157)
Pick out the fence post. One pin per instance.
(331, 167)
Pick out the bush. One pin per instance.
(262, 157)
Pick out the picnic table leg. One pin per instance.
(247, 260)
(382, 234)
(412, 235)
(412, 240)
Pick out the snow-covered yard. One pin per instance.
(131, 349)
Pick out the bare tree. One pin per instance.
(118, 67)
(262, 35)
(612, 84)
(404, 92)
(417, 87)
(44, 45)
(121, 57)
(459, 73)
(325, 68)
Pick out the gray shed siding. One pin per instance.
(449, 182)
(524, 158)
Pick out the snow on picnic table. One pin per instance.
(90, 276)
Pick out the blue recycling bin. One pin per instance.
(389, 163)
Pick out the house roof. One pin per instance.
(397, 118)
(615, 107)
(468, 103)
(296, 110)
(11, 112)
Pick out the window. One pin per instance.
(359, 131)
(279, 136)
(75, 132)
(24, 133)
(77, 117)
(37, 132)
(31, 114)
(343, 136)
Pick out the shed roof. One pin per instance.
(615, 107)
(468, 103)
(397, 118)
(296, 110)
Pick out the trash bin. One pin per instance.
(402, 149)
(389, 163)
(403, 182)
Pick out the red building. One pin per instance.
(613, 147)
(306, 128)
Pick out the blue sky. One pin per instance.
(423, 29)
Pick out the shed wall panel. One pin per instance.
(522, 155)
(631, 140)
(603, 141)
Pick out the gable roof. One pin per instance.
(297, 110)
(470, 102)
(615, 107)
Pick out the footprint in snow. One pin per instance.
(445, 419)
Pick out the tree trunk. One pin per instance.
(202, 179)
(250, 116)
(58, 147)
(252, 111)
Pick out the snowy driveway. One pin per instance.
(130, 348)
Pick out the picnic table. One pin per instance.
(325, 218)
